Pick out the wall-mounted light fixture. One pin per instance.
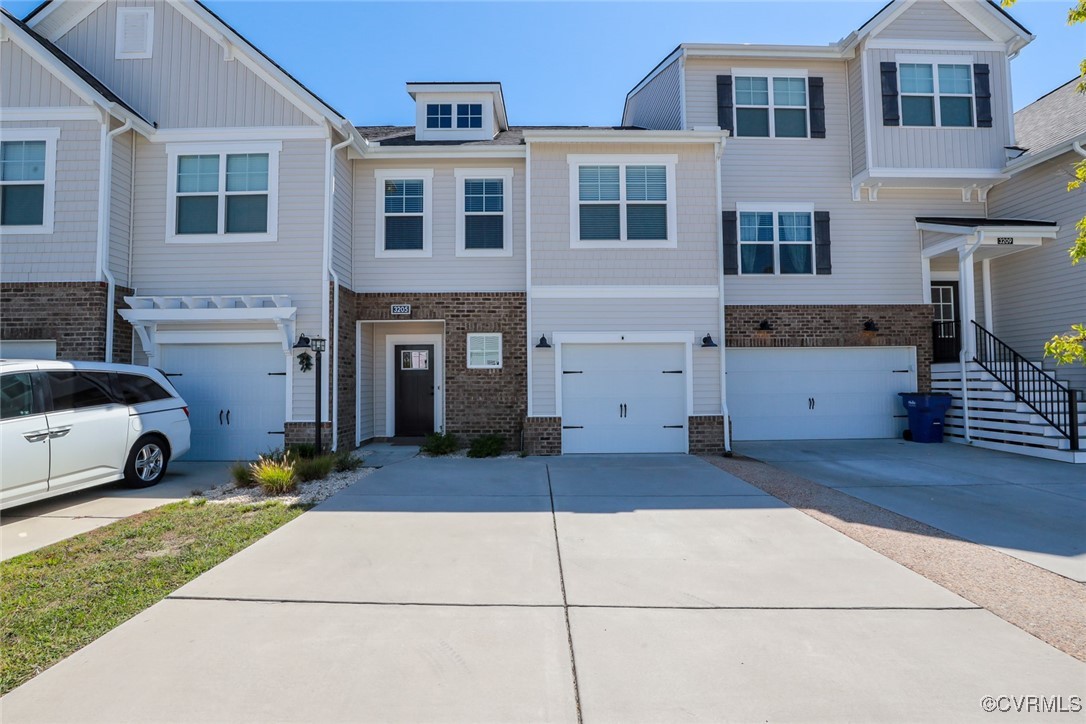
(765, 325)
(870, 326)
(317, 345)
(543, 343)
(707, 341)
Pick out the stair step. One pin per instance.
(981, 433)
(1005, 425)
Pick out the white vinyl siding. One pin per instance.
(25, 83)
(1037, 293)
(342, 219)
(68, 252)
(658, 104)
(290, 266)
(550, 316)
(443, 271)
(856, 122)
(696, 257)
(120, 207)
(932, 20)
(187, 83)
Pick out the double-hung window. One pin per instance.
(622, 202)
(403, 212)
(776, 240)
(770, 105)
(484, 221)
(27, 166)
(223, 194)
(936, 94)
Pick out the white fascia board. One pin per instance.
(605, 135)
(933, 173)
(376, 151)
(52, 113)
(783, 52)
(1042, 232)
(1022, 163)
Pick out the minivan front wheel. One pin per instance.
(147, 461)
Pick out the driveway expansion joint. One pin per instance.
(565, 600)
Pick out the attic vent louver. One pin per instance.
(135, 32)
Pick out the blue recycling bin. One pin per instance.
(926, 414)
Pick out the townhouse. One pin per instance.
(757, 252)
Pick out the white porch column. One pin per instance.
(968, 302)
(986, 282)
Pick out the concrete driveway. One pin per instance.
(1030, 508)
(652, 588)
(28, 527)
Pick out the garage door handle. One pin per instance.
(36, 436)
(220, 417)
(903, 371)
(573, 372)
(673, 372)
(228, 417)
(572, 427)
(674, 427)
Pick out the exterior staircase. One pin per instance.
(998, 420)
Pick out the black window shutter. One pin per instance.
(731, 242)
(817, 98)
(890, 114)
(983, 89)
(724, 103)
(822, 242)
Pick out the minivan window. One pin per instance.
(134, 389)
(17, 396)
(72, 390)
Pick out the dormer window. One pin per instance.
(439, 115)
(469, 115)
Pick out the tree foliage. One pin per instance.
(1071, 347)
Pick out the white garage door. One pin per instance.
(623, 398)
(236, 396)
(818, 394)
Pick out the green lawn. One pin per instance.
(58, 599)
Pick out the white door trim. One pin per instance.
(683, 338)
(391, 341)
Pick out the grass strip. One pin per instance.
(56, 600)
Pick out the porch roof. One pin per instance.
(980, 222)
(982, 238)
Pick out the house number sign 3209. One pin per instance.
(1005, 240)
(401, 309)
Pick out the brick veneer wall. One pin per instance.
(301, 433)
(477, 401)
(836, 325)
(72, 313)
(543, 435)
(345, 350)
(706, 435)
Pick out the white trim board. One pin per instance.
(625, 292)
(391, 340)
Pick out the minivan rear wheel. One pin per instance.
(147, 461)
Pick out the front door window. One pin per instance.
(946, 332)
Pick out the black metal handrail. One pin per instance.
(945, 341)
(1031, 385)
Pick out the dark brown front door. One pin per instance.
(414, 389)
(946, 329)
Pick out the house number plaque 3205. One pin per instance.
(401, 309)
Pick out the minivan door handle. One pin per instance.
(36, 436)
(60, 432)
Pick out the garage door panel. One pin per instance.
(817, 394)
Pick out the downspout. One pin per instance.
(105, 173)
(966, 294)
(720, 298)
(1077, 146)
(330, 275)
(528, 271)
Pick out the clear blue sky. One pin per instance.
(560, 62)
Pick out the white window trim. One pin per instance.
(174, 150)
(935, 61)
(50, 136)
(120, 53)
(427, 176)
(575, 161)
(485, 366)
(506, 175)
(769, 74)
(775, 209)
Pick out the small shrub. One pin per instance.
(242, 475)
(314, 468)
(345, 460)
(487, 446)
(440, 443)
(275, 477)
(303, 450)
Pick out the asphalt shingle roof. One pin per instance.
(1052, 120)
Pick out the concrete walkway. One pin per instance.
(28, 527)
(1029, 508)
(651, 588)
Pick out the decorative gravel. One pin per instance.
(1038, 601)
(304, 494)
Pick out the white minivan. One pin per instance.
(70, 425)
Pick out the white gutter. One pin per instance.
(720, 301)
(967, 296)
(331, 276)
(105, 171)
(1077, 148)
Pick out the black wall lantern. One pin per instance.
(870, 326)
(707, 341)
(765, 325)
(317, 345)
(543, 343)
